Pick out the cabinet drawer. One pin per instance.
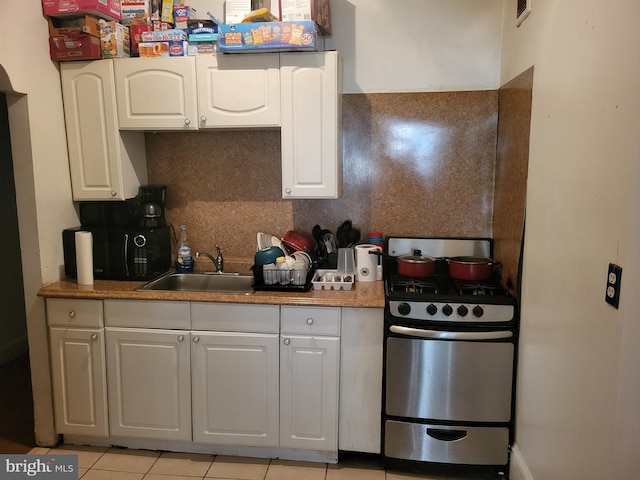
(310, 320)
(74, 312)
(231, 317)
(147, 314)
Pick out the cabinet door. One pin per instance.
(361, 379)
(311, 117)
(239, 90)
(104, 165)
(309, 392)
(79, 381)
(235, 388)
(148, 374)
(156, 93)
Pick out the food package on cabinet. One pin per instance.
(181, 16)
(173, 34)
(114, 40)
(269, 36)
(135, 12)
(135, 32)
(171, 48)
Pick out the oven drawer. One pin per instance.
(443, 444)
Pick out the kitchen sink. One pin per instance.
(202, 282)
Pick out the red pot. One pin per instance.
(470, 268)
(416, 265)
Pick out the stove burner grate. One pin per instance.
(480, 289)
(402, 284)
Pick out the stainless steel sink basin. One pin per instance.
(202, 282)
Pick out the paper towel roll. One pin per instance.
(84, 257)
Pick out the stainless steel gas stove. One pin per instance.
(449, 361)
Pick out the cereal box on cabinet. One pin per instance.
(114, 40)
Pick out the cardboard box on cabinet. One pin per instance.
(60, 26)
(75, 46)
(107, 9)
(269, 36)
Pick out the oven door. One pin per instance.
(461, 376)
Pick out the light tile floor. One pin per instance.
(102, 463)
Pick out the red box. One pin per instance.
(108, 9)
(136, 37)
(79, 46)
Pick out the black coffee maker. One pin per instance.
(151, 198)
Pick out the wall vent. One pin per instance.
(523, 11)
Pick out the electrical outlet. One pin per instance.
(614, 278)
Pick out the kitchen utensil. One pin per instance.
(471, 268)
(368, 262)
(267, 255)
(346, 235)
(416, 265)
(296, 241)
(346, 262)
(329, 242)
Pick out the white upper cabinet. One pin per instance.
(239, 90)
(105, 164)
(311, 125)
(156, 93)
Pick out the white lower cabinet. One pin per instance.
(245, 375)
(149, 383)
(78, 366)
(309, 377)
(235, 388)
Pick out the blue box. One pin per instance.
(269, 36)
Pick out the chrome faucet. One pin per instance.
(218, 261)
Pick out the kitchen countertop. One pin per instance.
(362, 295)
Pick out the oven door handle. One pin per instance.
(446, 335)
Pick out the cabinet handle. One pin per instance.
(94, 337)
(187, 121)
(309, 321)
(196, 339)
(203, 119)
(180, 338)
(72, 314)
(287, 191)
(114, 193)
(286, 341)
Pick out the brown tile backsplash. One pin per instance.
(418, 164)
(512, 165)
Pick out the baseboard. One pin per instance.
(13, 349)
(518, 469)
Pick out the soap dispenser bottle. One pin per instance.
(184, 260)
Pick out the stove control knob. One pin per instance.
(462, 311)
(432, 309)
(478, 311)
(404, 308)
(447, 310)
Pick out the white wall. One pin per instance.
(578, 392)
(41, 171)
(410, 45)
